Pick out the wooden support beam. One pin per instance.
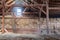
(9, 1)
(39, 7)
(54, 8)
(14, 23)
(39, 19)
(3, 24)
(3, 3)
(9, 5)
(30, 5)
(47, 16)
(3, 15)
(24, 17)
(22, 12)
(42, 10)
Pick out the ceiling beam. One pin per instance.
(32, 5)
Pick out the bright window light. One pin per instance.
(19, 12)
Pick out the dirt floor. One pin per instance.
(15, 36)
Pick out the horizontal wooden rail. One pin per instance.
(54, 8)
(27, 5)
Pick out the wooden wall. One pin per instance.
(30, 25)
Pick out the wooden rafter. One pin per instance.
(10, 4)
(35, 5)
(9, 1)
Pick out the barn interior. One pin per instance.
(29, 19)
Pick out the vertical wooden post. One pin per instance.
(3, 23)
(14, 23)
(3, 16)
(47, 16)
(40, 20)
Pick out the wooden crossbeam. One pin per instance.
(32, 5)
(42, 10)
(54, 8)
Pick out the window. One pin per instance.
(17, 11)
